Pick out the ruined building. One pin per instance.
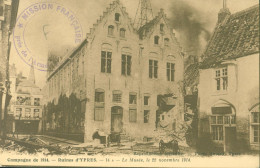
(118, 80)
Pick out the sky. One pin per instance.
(193, 22)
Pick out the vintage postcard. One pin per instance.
(129, 83)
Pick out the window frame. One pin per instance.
(126, 64)
(110, 29)
(122, 32)
(221, 79)
(106, 62)
(170, 71)
(117, 96)
(156, 40)
(153, 69)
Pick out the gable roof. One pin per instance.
(236, 36)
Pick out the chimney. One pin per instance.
(223, 13)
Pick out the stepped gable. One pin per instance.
(236, 36)
(147, 29)
(108, 10)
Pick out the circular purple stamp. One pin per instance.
(42, 28)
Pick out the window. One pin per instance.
(255, 117)
(111, 30)
(146, 116)
(255, 125)
(117, 17)
(36, 101)
(1, 8)
(156, 39)
(256, 133)
(117, 96)
(106, 59)
(18, 112)
(132, 98)
(27, 101)
(166, 41)
(126, 65)
(36, 113)
(99, 105)
(99, 96)
(221, 79)
(217, 132)
(217, 124)
(153, 69)
(161, 27)
(146, 100)
(170, 71)
(132, 115)
(27, 112)
(122, 32)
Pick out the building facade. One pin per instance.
(124, 80)
(229, 82)
(26, 108)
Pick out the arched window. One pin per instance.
(161, 27)
(156, 39)
(166, 41)
(117, 17)
(122, 32)
(110, 30)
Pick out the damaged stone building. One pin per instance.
(124, 80)
(229, 82)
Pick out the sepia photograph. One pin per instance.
(129, 83)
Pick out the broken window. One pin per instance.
(106, 59)
(221, 79)
(117, 17)
(132, 115)
(111, 30)
(146, 116)
(156, 39)
(170, 71)
(132, 98)
(122, 32)
(126, 65)
(153, 69)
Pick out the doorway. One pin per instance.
(230, 139)
(116, 119)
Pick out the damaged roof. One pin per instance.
(236, 36)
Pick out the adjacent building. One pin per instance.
(25, 114)
(229, 82)
(119, 80)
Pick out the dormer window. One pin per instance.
(117, 17)
(156, 39)
(122, 32)
(111, 30)
(161, 27)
